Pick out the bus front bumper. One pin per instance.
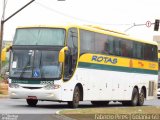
(40, 94)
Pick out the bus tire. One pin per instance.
(135, 98)
(100, 103)
(76, 98)
(141, 98)
(31, 102)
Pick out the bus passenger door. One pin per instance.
(71, 54)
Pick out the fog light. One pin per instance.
(13, 93)
(51, 95)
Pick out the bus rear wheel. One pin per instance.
(141, 98)
(76, 98)
(100, 103)
(135, 98)
(32, 102)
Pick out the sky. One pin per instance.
(116, 15)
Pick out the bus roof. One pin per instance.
(93, 29)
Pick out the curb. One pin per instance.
(62, 116)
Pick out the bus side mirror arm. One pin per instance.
(61, 58)
(8, 48)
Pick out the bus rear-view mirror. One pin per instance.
(62, 54)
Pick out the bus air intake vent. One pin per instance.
(32, 87)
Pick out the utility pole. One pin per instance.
(2, 26)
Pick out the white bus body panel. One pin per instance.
(97, 85)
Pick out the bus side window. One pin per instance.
(87, 41)
(138, 50)
(105, 50)
(111, 45)
(124, 51)
(101, 43)
(72, 53)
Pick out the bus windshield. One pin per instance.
(35, 53)
(42, 64)
(39, 36)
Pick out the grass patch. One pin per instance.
(101, 113)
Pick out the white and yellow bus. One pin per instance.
(81, 63)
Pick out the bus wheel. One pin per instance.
(100, 103)
(76, 98)
(32, 102)
(141, 98)
(135, 97)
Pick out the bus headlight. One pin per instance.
(14, 85)
(52, 86)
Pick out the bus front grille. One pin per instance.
(32, 87)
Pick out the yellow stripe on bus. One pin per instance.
(118, 61)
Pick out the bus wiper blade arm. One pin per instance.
(23, 70)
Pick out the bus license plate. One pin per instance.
(32, 97)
